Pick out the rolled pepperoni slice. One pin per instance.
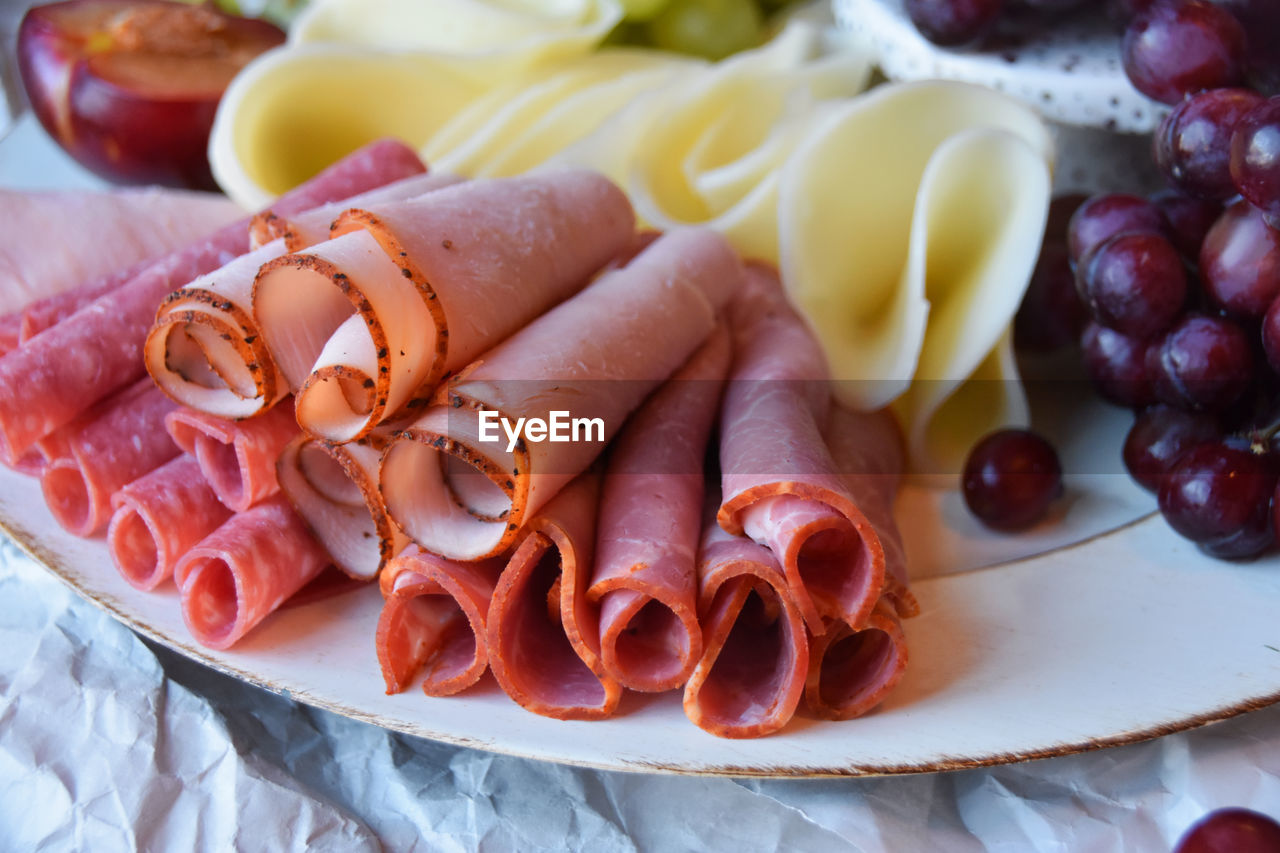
(543, 633)
(434, 621)
(205, 349)
(755, 655)
(112, 445)
(780, 484)
(645, 576)
(237, 458)
(334, 489)
(62, 371)
(242, 572)
(158, 518)
(594, 359)
(405, 291)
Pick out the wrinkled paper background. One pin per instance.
(109, 742)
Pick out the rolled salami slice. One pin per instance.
(158, 518)
(114, 444)
(645, 576)
(593, 359)
(237, 458)
(309, 227)
(409, 290)
(205, 349)
(334, 488)
(434, 619)
(59, 373)
(780, 485)
(755, 655)
(543, 633)
(126, 226)
(242, 572)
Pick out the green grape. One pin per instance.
(709, 28)
(642, 10)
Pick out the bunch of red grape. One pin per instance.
(1175, 296)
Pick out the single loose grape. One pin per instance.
(1010, 479)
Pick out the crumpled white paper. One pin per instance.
(108, 742)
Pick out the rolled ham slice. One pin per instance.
(852, 671)
(334, 489)
(405, 291)
(645, 576)
(242, 572)
(780, 485)
(755, 655)
(158, 518)
(237, 458)
(310, 227)
(112, 445)
(205, 349)
(434, 621)
(543, 633)
(595, 356)
(62, 371)
(122, 228)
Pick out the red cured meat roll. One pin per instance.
(237, 458)
(334, 488)
(596, 357)
(647, 540)
(406, 291)
(241, 573)
(158, 518)
(755, 656)
(852, 671)
(112, 445)
(59, 373)
(205, 349)
(780, 485)
(543, 634)
(434, 619)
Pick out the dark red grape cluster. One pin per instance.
(1175, 301)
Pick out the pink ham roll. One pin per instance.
(647, 541)
(596, 357)
(755, 656)
(62, 371)
(406, 291)
(780, 485)
(205, 349)
(158, 518)
(237, 458)
(852, 671)
(114, 444)
(434, 620)
(242, 572)
(334, 488)
(543, 633)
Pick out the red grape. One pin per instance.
(1192, 146)
(1188, 220)
(951, 23)
(1050, 316)
(1231, 830)
(1134, 283)
(1104, 216)
(1010, 479)
(1271, 335)
(1174, 49)
(1240, 261)
(1159, 435)
(1255, 157)
(1201, 363)
(1220, 498)
(1117, 365)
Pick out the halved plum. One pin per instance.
(129, 87)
